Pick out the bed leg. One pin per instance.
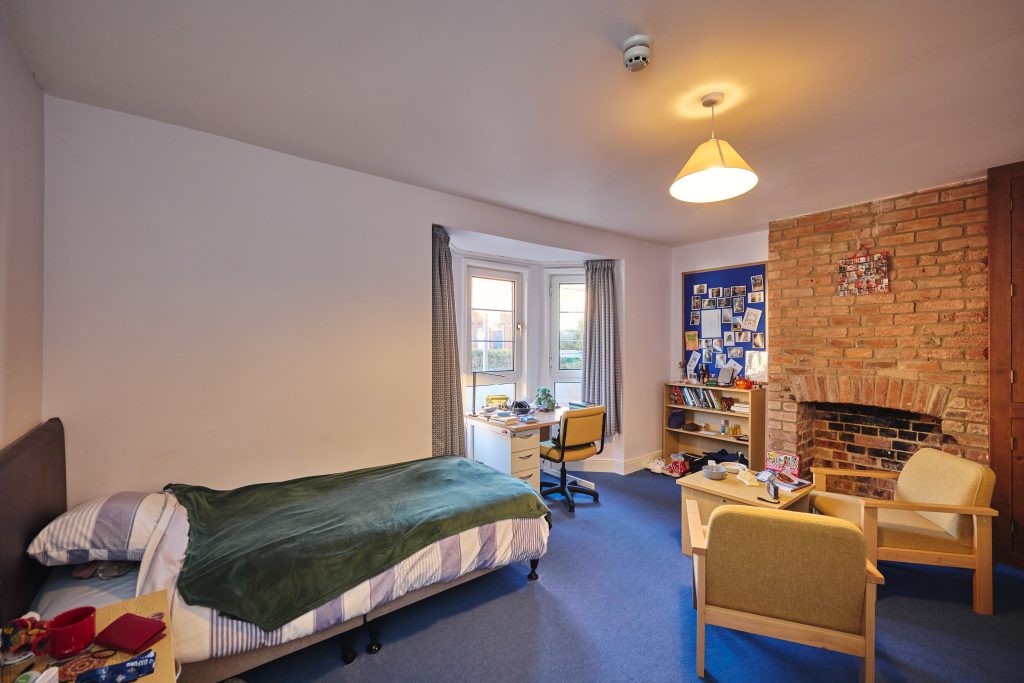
(371, 628)
(348, 654)
(532, 576)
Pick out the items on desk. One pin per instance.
(131, 633)
(69, 633)
(713, 470)
(124, 672)
(581, 404)
(545, 400)
(27, 634)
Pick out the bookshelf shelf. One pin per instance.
(752, 424)
(695, 409)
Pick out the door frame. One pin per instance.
(1002, 410)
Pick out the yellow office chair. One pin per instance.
(577, 434)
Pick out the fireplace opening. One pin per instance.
(848, 435)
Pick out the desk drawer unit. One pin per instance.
(525, 460)
(524, 441)
(531, 477)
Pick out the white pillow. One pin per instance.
(114, 527)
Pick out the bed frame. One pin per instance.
(33, 492)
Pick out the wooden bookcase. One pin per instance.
(752, 425)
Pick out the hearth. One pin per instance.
(856, 435)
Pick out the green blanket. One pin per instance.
(269, 553)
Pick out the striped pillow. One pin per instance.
(114, 527)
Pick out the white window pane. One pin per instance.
(567, 391)
(495, 295)
(570, 359)
(571, 297)
(570, 327)
(492, 356)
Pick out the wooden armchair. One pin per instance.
(825, 595)
(940, 515)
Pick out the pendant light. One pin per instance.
(715, 171)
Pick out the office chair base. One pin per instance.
(567, 490)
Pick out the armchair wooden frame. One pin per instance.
(862, 645)
(979, 559)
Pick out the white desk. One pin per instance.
(514, 449)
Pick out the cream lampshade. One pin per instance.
(715, 171)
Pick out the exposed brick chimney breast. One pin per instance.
(922, 347)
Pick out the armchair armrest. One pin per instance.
(698, 540)
(929, 507)
(872, 573)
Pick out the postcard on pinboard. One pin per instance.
(751, 319)
(711, 323)
(757, 366)
(692, 342)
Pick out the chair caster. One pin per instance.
(348, 655)
(532, 576)
(373, 648)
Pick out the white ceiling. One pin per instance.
(525, 103)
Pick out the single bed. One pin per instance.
(212, 647)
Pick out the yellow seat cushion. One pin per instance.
(549, 451)
(896, 528)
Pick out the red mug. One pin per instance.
(71, 632)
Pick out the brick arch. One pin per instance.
(884, 392)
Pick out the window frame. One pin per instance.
(516, 375)
(555, 373)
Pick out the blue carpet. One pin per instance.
(613, 604)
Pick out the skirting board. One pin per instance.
(597, 464)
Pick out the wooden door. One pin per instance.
(1017, 505)
(1006, 357)
(1017, 282)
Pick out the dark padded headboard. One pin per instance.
(33, 491)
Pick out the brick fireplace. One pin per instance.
(916, 355)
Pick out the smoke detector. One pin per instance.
(636, 52)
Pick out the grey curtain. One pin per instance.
(602, 370)
(449, 435)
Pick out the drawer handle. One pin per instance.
(525, 457)
(516, 435)
(527, 477)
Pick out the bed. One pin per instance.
(211, 646)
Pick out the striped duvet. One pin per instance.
(200, 633)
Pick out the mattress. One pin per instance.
(201, 633)
(61, 591)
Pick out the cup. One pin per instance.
(71, 632)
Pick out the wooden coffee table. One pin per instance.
(710, 493)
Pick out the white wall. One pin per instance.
(722, 253)
(21, 243)
(219, 313)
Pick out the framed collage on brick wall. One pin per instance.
(724, 323)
